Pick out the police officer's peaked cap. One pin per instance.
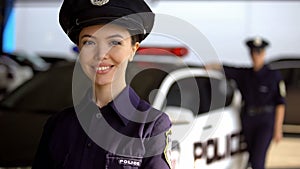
(135, 15)
(257, 43)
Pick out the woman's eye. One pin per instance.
(88, 42)
(115, 43)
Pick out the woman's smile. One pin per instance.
(103, 68)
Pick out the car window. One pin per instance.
(146, 77)
(50, 90)
(200, 94)
(146, 82)
(212, 93)
(291, 77)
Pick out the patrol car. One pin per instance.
(203, 108)
(202, 105)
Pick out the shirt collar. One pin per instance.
(263, 70)
(125, 104)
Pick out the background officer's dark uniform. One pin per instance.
(126, 133)
(260, 94)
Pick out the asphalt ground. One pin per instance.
(285, 154)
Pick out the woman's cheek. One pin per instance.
(120, 57)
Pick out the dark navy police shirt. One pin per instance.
(126, 133)
(260, 88)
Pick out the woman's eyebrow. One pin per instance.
(108, 37)
(115, 36)
(88, 36)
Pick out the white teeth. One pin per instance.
(102, 68)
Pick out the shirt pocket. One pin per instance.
(122, 162)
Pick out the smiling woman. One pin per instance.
(105, 52)
(111, 127)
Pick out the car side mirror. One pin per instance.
(179, 115)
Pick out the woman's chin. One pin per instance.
(102, 82)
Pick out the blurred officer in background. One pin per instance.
(111, 127)
(263, 94)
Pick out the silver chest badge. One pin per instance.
(99, 2)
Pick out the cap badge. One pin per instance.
(257, 41)
(99, 2)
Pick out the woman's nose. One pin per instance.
(101, 53)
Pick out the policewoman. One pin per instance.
(263, 95)
(111, 127)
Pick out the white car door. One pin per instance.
(205, 124)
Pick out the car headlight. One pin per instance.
(175, 154)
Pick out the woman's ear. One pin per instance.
(135, 47)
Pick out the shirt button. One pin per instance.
(98, 115)
(89, 145)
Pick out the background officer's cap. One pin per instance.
(257, 43)
(135, 15)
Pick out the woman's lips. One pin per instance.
(101, 69)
